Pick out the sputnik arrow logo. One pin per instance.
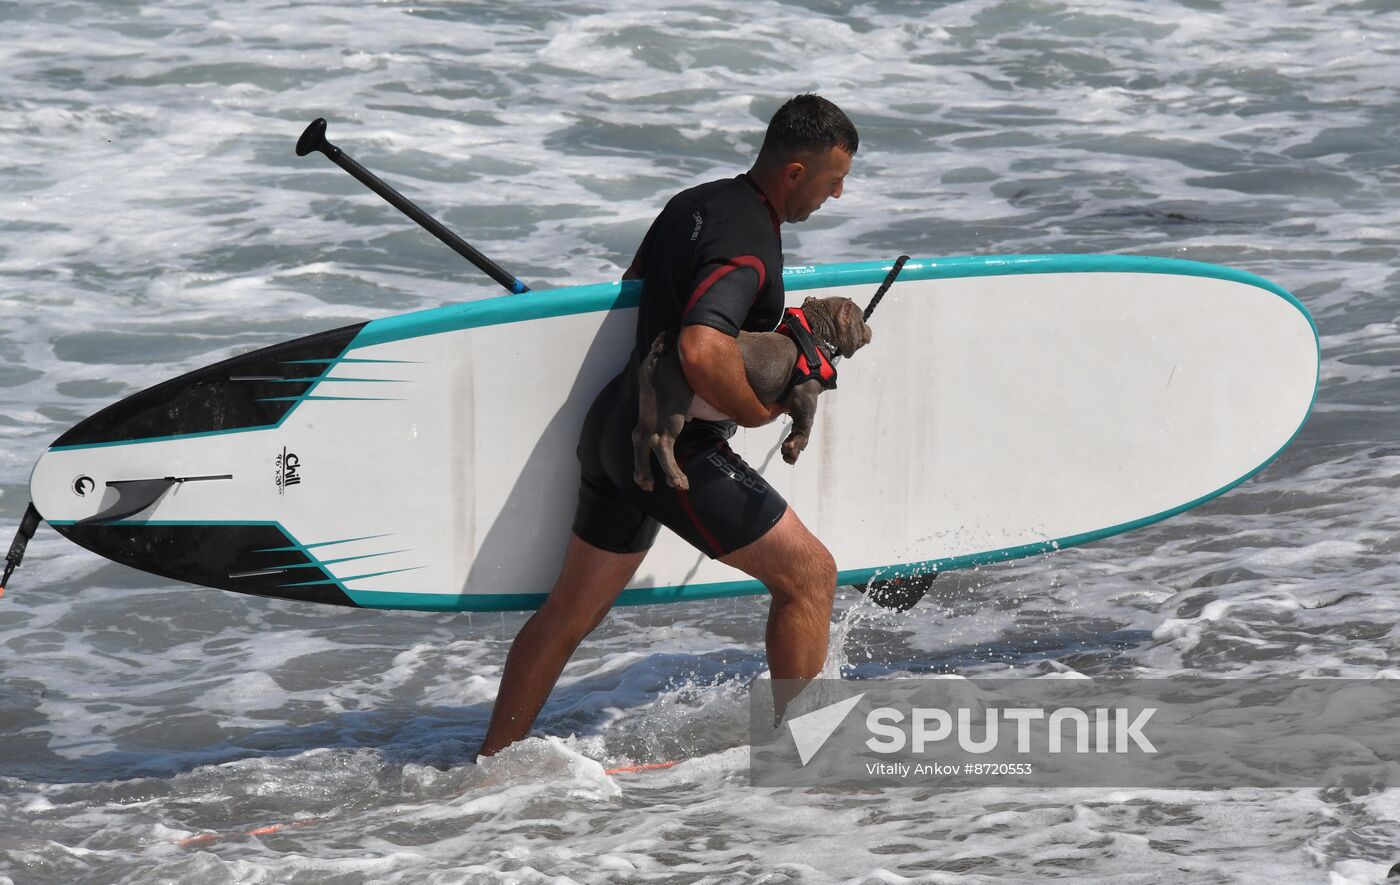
(810, 731)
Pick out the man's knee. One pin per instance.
(823, 566)
(810, 578)
(790, 561)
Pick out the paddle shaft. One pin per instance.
(314, 139)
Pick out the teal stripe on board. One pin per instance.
(344, 399)
(614, 296)
(349, 360)
(329, 380)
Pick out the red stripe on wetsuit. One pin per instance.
(684, 498)
(750, 261)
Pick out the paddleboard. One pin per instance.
(1006, 407)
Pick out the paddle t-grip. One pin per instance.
(313, 138)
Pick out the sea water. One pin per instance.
(155, 219)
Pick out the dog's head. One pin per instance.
(838, 322)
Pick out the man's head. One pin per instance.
(806, 154)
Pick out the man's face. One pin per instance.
(814, 179)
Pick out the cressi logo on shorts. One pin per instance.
(287, 465)
(699, 223)
(746, 480)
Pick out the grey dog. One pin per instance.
(666, 400)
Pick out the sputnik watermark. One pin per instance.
(1192, 733)
(1112, 729)
(1101, 730)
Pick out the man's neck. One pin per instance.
(769, 181)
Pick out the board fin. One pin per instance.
(901, 593)
(135, 495)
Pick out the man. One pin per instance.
(711, 266)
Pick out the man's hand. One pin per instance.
(714, 368)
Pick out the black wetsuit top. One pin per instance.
(713, 257)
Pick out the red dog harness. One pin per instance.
(813, 360)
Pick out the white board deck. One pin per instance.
(1004, 407)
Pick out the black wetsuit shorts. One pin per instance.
(728, 506)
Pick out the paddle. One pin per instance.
(314, 139)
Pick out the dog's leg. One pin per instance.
(802, 406)
(644, 435)
(665, 448)
(673, 399)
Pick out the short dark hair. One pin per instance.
(808, 124)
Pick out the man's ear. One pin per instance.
(792, 172)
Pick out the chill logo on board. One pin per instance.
(83, 485)
(288, 465)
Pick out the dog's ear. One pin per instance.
(851, 331)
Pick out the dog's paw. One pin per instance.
(792, 447)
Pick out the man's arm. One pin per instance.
(714, 369)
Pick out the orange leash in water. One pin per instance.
(206, 838)
(650, 766)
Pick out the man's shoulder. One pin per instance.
(725, 193)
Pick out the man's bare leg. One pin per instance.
(589, 582)
(800, 574)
